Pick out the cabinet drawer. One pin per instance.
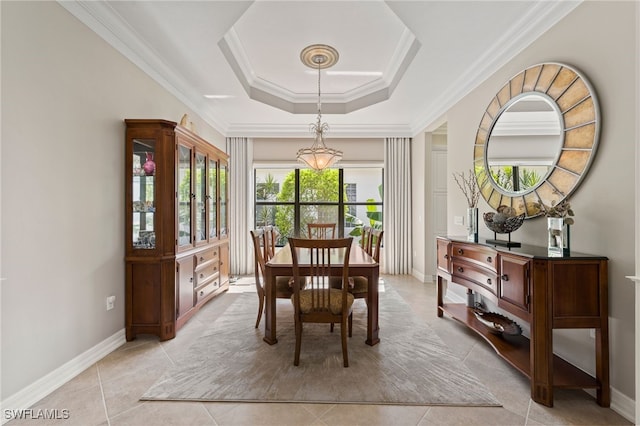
(207, 272)
(206, 256)
(443, 254)
(483, 256)
(471, 272)
(203, 292)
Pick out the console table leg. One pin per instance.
(603, 394)
(439, 291)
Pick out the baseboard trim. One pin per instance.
(418, 275)
(620, 403)
(42, 387)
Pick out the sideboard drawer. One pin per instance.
(482, 255)
(478, 275)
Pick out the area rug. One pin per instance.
(410, 366)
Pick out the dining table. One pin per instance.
(361, 264)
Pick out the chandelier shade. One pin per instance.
(319, 156)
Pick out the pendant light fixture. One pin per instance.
(319, 157)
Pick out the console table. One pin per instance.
(547, 292)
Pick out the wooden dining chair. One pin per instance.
(270, 239)
(321, 231)
(284, 285)
(318, 302)
(365, 239)
(359, 286)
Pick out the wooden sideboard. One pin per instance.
(548, 293)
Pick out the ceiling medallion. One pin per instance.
(319, 157)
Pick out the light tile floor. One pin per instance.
(107, 393)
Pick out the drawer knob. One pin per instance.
(489, 281)
(190, 279)
(504, 277)
(460, 251)
(201, 258)
(201, 275)
(446, 256)
(489, 259)
(201, 292)
(460, 269)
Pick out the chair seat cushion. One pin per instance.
(357, 285)
(335, 297)
(360, 285)
(284, 285)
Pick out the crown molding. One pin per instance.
(335, 131)
(541, 17)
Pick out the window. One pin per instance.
(290, 198)
(351, 191)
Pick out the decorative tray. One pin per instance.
(498, 324)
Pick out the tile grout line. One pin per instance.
(215, 423)
(526, 418)
(173, 364)
(104, 400)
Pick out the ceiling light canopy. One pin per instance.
(319, 156)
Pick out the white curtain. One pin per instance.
(240, 152)
(397, 206)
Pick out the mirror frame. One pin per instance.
(576, 101)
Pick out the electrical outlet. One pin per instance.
(111, 302)
(458, 220)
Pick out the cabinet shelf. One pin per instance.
(516, 351)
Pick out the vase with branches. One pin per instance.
(469, 187)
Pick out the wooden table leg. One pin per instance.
(440, 296)
(372, 308)
(270, 308)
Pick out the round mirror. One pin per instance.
(536, 139)
(524, 144)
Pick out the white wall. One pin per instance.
(603, 49)
(65, 94)
(284, 149)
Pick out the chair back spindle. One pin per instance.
(321, 231)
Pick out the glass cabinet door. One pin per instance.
(143, 194)
(200, 198)
(212, 198)
(223, 200)
(184, 195)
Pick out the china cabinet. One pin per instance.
(546, 291)
(177, 244)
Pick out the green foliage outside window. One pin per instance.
(374, 216)
(314, 187)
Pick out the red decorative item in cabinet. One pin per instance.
(149, 166)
